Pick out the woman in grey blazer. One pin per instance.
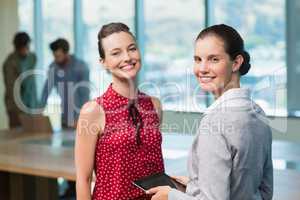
(230, 158)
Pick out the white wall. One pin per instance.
(9, 25)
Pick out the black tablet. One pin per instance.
(160, 179)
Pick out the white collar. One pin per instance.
(234, 93)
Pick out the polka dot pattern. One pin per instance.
(118, 158)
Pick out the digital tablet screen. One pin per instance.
(160, 179)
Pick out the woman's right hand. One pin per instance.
(181, 179)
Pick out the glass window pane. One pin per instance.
(95, 14)
(57, 23)
(170, 31)
(262, 25)
(25, 11)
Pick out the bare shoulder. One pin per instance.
(91, 109)
(92, 117)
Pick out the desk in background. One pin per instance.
(31, 163)
(42, 158)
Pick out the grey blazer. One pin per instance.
(230, 158)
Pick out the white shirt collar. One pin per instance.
(234, 93)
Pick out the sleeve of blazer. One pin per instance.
(214, 168)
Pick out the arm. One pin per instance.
(10, 75)
(266, 186)
(90, 124)
(214, 167)
(49, 84)
(84, 89)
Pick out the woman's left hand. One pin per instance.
(159, 193)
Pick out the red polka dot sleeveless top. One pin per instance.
(119, 160)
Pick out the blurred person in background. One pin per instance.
(70, 77)
(20, 61)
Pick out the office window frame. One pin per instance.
(139, 28)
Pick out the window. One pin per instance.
(57, 23)
(262, 25)
(95, 14)
(170, 30)
(25, 11)
(169, 33)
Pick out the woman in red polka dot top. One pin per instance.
(118, 133)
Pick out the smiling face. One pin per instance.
(213, 67)
(122, 57)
